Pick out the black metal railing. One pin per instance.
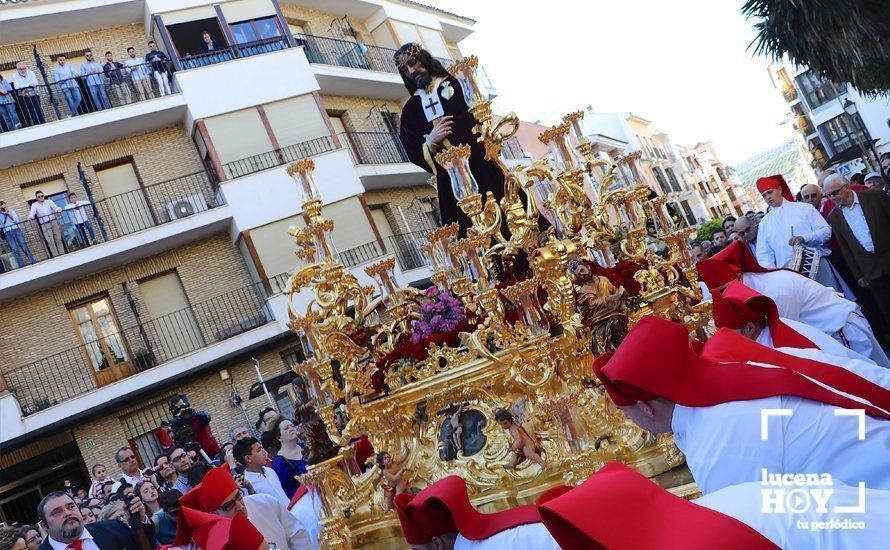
(345, 53)
(235, 51)
(139, 347)
(404, 246)
(375, 147)
(83, 95)
(271, 159)
(113, 217)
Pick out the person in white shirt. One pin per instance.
(66, 77)
(25, 82)
(126, 461)
(713, 402)
(252, 456)
(80, 219)
(789, 224)
(797, 297)
(93, 72)
(140, 74)
(44, 212)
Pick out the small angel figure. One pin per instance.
(393, 473)
(523, 446)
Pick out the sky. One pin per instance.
(683, 64)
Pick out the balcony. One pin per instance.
(381, 161)
(114, 232)
(278, 157)
(236, 51)
(404, 246)
(58, 117)
(137, 348)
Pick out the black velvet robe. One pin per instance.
(414, 126)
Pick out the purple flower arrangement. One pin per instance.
(441, 312)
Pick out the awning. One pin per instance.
(273, 384)
(846, 155)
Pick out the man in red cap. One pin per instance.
(212, 532)
(441, 517)
(789, 224)
(219, 494)
(619, 509)
(714, 404)
(797, 297)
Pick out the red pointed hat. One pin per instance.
(739, 304)
(445, 507)
(206, 496)
(199, 525)
(298, 494)
(728, 264)
(414, 533)
(679, 375)
(620, 509)
(212, 532)
(775, 182)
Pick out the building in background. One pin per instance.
(178, 284)
(836, 126)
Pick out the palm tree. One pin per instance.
(842, 41)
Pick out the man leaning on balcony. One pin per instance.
(44, 212)
(7, 106)
(93, 70)
(158, 60)
(25, 82)
(9, 222)
(115, 72)
(139, 74)
(66, 78)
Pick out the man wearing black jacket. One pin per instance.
(61, 517)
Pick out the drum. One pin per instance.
(805, 261)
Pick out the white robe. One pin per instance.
(786, 530)
(533, 536)
(275, 523)
(788, 220)
(801, 299)
(307, 510)
(723, 447)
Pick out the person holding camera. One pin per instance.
(191, 426)
(9, 226)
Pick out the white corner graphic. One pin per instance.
(764, 420)
(860, 413)
(859, 508)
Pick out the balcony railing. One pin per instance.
(344, 53)
(271, 159)
(266, 45)
(404, 246)
(138, 347)
(107, 219)
(375, 147)
(83, 95)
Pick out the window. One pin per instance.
(841, 132)
(143, 427)
(816, 91)
(255, 30)
(99, 333)
(675, 185)
(661, 181)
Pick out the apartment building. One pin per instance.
(177, 285)
(837, 126)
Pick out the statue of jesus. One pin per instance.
(435, 116)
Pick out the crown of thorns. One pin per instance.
(406, 52)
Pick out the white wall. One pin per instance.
(271, 195)
(241, 83)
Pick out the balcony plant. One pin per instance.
(144, 359)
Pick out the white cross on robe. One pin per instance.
(431, 103)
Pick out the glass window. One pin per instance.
(255, 29)
(841, 132)
(100, 333)
(243, 32)
(816, 91)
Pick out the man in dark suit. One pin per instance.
(61, 518)
(861, 224)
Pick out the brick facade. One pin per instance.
(354, 112)
(409, 200)
(37, 326)
(158, 156)
(318, 23)
(100, 438)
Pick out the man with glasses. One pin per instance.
(862, 226)
(219, 494)
(746, 229)
(181, 462)
(126, 461)
(93, 71)
(45, 212)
